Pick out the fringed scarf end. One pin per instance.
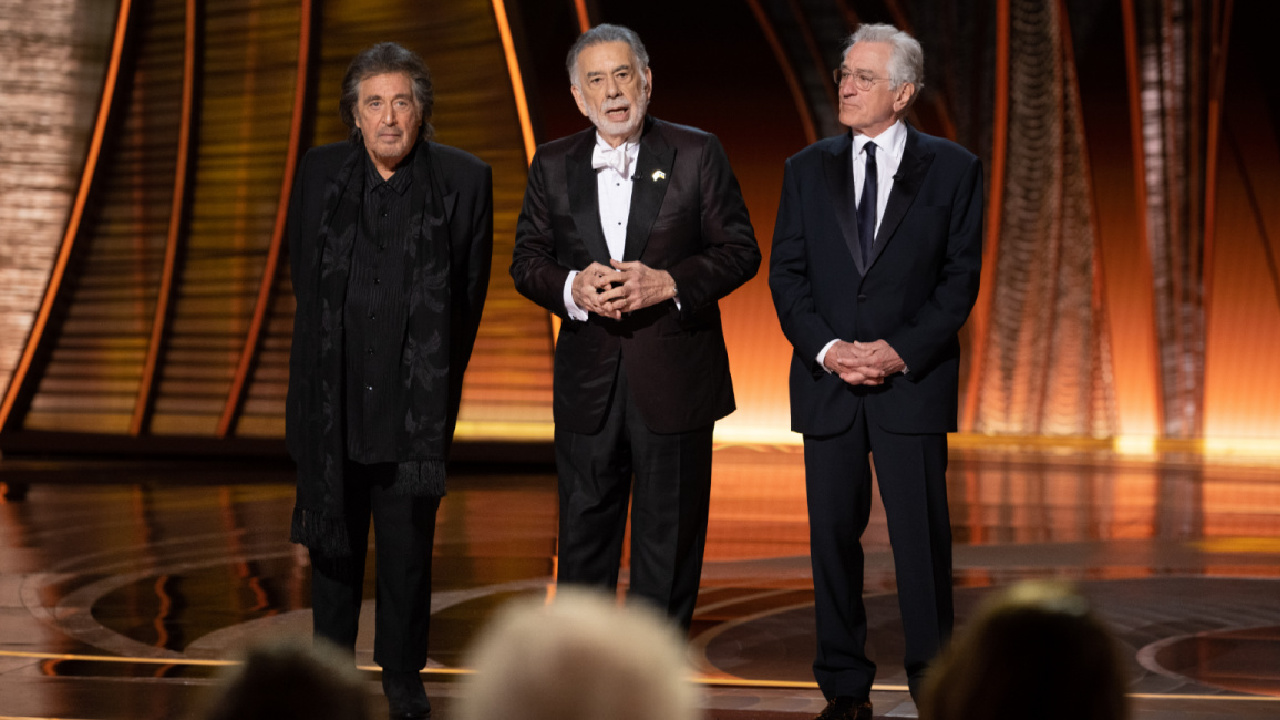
(320, 533)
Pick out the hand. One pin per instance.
(879, 358)
(842, 360)
(589, 287)
(859, 363)
(641, 286)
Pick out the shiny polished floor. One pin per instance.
(124, 586)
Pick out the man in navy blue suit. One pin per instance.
(876, 256)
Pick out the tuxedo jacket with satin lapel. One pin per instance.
(465, 186)
(687, 217)
(916, 293)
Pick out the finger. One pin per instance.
(613, 295)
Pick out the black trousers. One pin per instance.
(668, 506)
(404, 532)
(911, 472)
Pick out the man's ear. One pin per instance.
(577, 97)
(905, 92)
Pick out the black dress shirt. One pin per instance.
(375, 312)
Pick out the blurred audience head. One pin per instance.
(1033, 651)
(581, 657)
(291, 679)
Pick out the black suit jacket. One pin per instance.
(465, 186)
(688, 218)
(916, 294)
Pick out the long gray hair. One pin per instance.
(387, 57)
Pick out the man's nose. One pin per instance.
(389, 115)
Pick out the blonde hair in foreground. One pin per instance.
(581, 657)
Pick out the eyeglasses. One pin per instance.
(861, 80)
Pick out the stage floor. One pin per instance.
(124, 586)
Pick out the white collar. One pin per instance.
(893, 140)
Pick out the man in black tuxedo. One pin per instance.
(875, 264)
(390, 244)
(631, 232)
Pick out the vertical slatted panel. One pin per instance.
(262, 414)
(1046, 365)
(263, 368)
(94, 370)
(175, 239)
(249, 64)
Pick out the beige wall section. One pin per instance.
(45, 121)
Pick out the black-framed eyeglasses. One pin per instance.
(864, 81)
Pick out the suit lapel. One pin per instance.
(838, 165)
(653, 175)
(906, 184)
(584, 198)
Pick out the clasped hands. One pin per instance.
(859, 363)
(624, 287)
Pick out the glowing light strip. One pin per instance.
(1133, 75)
(517, 80)
(711, 681)
(999, 153)
(73, 222)
(584, 19)
(143, 405)
(266, 287)
(1213, 139)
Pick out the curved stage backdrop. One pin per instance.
(1130, 288)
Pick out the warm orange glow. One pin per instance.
(584, 20)
(266, 285)
(517, 80)
(1142, 270)
(1221, 27)
(999, 148)
(1242, 338)
(77, 215)
(177, 230)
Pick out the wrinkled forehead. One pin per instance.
(387, 85)
(606, 57)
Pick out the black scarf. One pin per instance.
(421, 443)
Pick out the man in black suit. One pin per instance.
(631, 232)
(875, 264)
(390, 244)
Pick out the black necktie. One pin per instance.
(867, 206)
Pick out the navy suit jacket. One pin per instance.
(687, 217)
(916, 293)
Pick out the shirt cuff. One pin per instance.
(822, 354)
(570, 307)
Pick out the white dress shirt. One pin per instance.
(613, 190)
(890, 145)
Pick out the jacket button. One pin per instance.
(862, 297)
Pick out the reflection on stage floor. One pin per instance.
(124, 586)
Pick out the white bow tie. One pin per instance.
(615, 157)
